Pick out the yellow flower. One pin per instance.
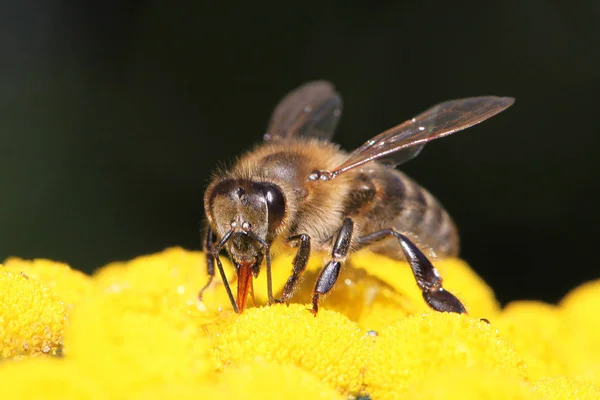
(46, 378)
(68, 284)
(582, 304)
(32, 318)
(561, 388)
(411, 349)
(137, 330)
(582, 320)
(536, 329)
(328, 346)
(126, 350)
(470, 384)
(165, 282)
(250, 380)
(557, 341)
(264, 380)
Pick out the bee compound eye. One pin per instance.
(275, 205)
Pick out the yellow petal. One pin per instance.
(329, 346)
(46, 378)
(32, 318)
(411, 349)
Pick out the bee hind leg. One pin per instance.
(300, 262)
(427, 277)
(330, 272)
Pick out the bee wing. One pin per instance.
(311, 110)
(404, 142)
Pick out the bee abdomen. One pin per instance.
(433, 225)
(402, 204)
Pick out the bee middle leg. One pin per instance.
(427, 277)
(330, 272)
(300, 262)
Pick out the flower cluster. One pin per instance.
(137, 330)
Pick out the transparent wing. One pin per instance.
(311, 110)
(405, 141)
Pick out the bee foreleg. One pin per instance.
(300, 262)
(427, 277)
(330, 272)
(216, 249)
(210, 259)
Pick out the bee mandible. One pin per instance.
(299, 189)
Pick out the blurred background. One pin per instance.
(113, 114)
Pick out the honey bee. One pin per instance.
(300, 189)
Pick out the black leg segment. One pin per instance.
(267, 253)
(427, 277)
(210, 258)
(215, 253)
(300, 262)
(329, 274)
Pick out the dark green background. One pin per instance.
(113, 114)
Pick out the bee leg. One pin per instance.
(267, 255)
(300, 262)
(427, 277)
(210, 259)
(214, 253)
(226, 283)
(330, 272)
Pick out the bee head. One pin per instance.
(251, 209)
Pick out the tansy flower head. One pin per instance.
(471, 383)
(536, 329)
(247, 380)
(411, 349)
(267, 380)
(32, 317)
(561, 388)
(47, 378)
(164, 282)
(581, 319)
(137, 330)
(329, 346)
(67, 284)
(126, 350)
